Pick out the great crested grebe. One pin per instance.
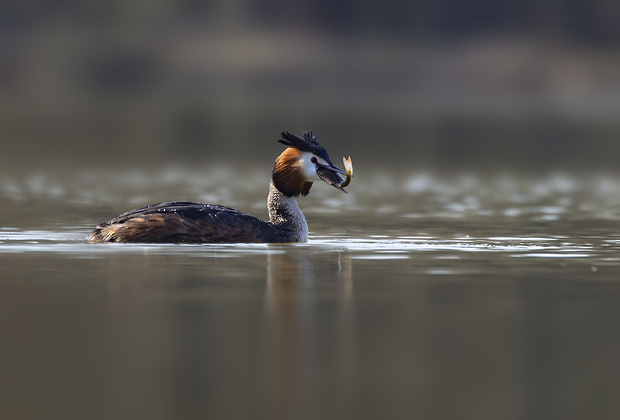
(303, 162)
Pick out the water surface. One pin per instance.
(416, 296)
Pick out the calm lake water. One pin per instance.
(417, 296)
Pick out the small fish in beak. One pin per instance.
(330, 174)
(348, 166)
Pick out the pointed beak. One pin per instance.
(330, 174)
(331, 167)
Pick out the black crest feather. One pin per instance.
(306, 143)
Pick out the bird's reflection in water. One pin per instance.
(310, 335)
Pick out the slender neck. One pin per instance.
(285, 214)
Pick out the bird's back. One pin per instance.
(186, 222)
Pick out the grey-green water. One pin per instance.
(417, 296)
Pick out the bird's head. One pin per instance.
(303, 162)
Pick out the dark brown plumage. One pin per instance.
(184, 222)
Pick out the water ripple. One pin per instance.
(375, 247)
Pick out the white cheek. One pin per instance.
(308, 168)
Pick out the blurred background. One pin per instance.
(472, 271)
(525, 85)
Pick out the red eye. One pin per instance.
(313, 160)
